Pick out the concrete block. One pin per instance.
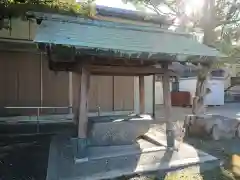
(117, 130)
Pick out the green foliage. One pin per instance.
(232, 51)
(16, 8)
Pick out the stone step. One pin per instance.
(117, 130)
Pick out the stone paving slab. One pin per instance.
(108, 162)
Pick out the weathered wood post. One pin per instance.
(141, 95)
(83, 103)
(154, 92)
(82, 112)
(70, 93)
(167, 107)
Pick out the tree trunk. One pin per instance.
(208, 20)
(198, 107)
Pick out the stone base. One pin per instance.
(117, 130)
(215, 126)
(79, 147)
(107, 162)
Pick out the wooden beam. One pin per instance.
(127, 70)
(83, 103)
(141, 95)
(167, 107)
(105, 61)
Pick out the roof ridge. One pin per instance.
(103, 23)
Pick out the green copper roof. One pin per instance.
(116, 39)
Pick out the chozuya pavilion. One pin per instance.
(106, 147)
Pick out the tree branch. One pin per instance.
(154, 8)
(171, 8)
(232, 11)
(178, 14)
(226, 22)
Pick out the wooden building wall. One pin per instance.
(55, 87)
(20, 79)
(108, 92)
(20, 85)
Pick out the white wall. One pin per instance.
(185, 84)
(189, 84)
(216, 97)
(216, 86)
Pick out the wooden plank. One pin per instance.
(101, 93)
(93, 93)
(55, 88)
(11, 80)
(83, 103)
(167, 106)
(127, 70)
(141, 95)
(75, 90)
(123, 95)
(105, 93)
(3, 78)
(29, 82)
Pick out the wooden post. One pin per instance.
(167, 107)
(70, 91)
(141, 95)
(154, 103)
(83, 103)
(41, 80)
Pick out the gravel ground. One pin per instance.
(223, 149)
(22, 159)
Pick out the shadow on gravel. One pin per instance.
(223, 149)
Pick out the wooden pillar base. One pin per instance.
(170, 138)
(188, 121)
(80, 147)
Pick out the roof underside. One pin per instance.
(121, 40)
